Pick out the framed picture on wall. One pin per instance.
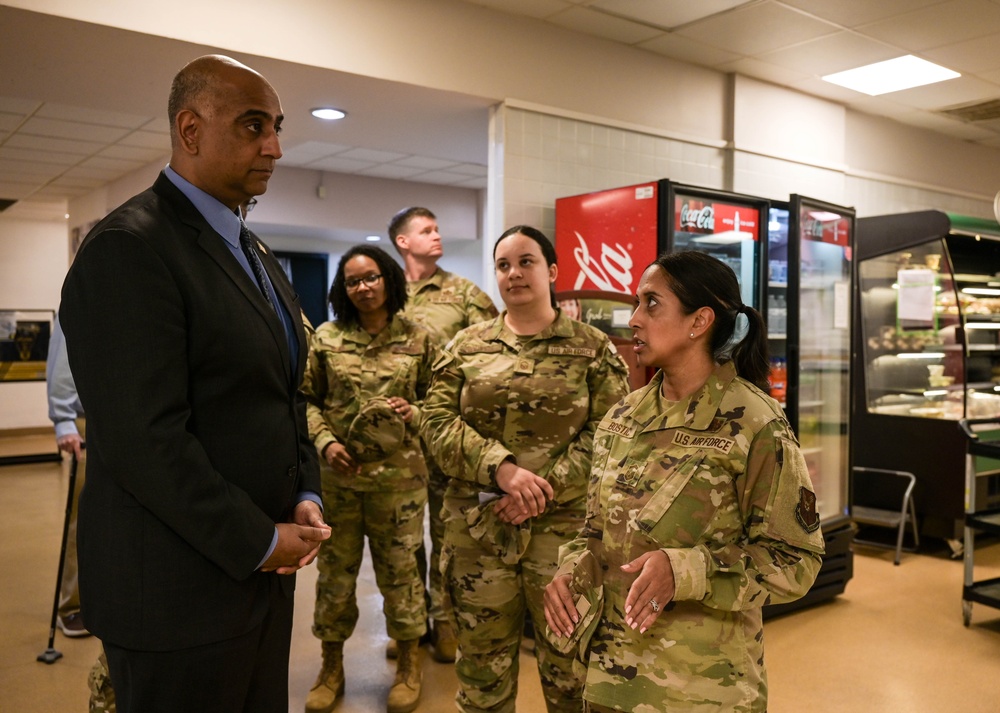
(24, 343)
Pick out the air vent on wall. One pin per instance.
(6, 203)
(982, 111)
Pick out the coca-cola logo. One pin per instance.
(613, 272)
(700, 218)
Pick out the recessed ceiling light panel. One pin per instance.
(891, 75)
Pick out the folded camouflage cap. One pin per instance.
(376, 432)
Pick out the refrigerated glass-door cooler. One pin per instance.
(810, 274)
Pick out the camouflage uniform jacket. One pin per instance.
(445, 303)
(346, 367)
(718, 483)
(536, 400)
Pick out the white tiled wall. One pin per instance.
(548, 157)
(874, 197)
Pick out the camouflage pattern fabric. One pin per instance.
(102, 695)
(394, 524)
(444, 303)
(716, 481)
(376, 432)
(347, 367)
(537, 400)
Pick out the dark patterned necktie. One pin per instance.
(246, 243)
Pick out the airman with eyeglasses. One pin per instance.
(355, 282)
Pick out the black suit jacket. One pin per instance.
(196, 434)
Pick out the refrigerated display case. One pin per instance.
(810, 273)
(929, 356)
(809, 278)
(729, 226)
(604, 240)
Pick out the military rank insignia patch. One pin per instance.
(805, 511)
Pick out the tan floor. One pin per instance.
(894, 641)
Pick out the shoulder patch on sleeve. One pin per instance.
(805, 511)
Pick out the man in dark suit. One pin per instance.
(203, 487)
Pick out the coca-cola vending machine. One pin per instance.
(604, 240)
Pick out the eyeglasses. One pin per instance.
(355, 282)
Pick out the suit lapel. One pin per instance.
(214, 244)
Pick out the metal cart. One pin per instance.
(985, 591)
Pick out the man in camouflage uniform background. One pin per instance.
(444, 303)
(536, 401)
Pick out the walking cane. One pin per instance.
(50, 655)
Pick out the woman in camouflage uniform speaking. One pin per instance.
(366, 376)
(700, 511)
(510, 418)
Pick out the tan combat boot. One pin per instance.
(445, 643)
(329, 686)
(405, 692)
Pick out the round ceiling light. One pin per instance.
(328, 113)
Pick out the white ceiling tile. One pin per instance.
(978, 55)
(9, 121)
(938, 25)
(112, 164)
(147, 139)
(159, 125)
(391, 170)
(61, 191)
(77, 181)
(16, 190)
(44, 143)
(600, 24)
(371, 155)
(773, 27)
(471, 169)
(132, 153)
(57, 128)
(667, 14)
(687, 50)
(851, 13)
(310, 151)
(91, 171)
(91, 116)
(954, 127)
(425, 162)
(338, 164)
(443, 177)
(952, 92)
(61, 159)
(15, 105)
(29, 170)
(832, 53)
